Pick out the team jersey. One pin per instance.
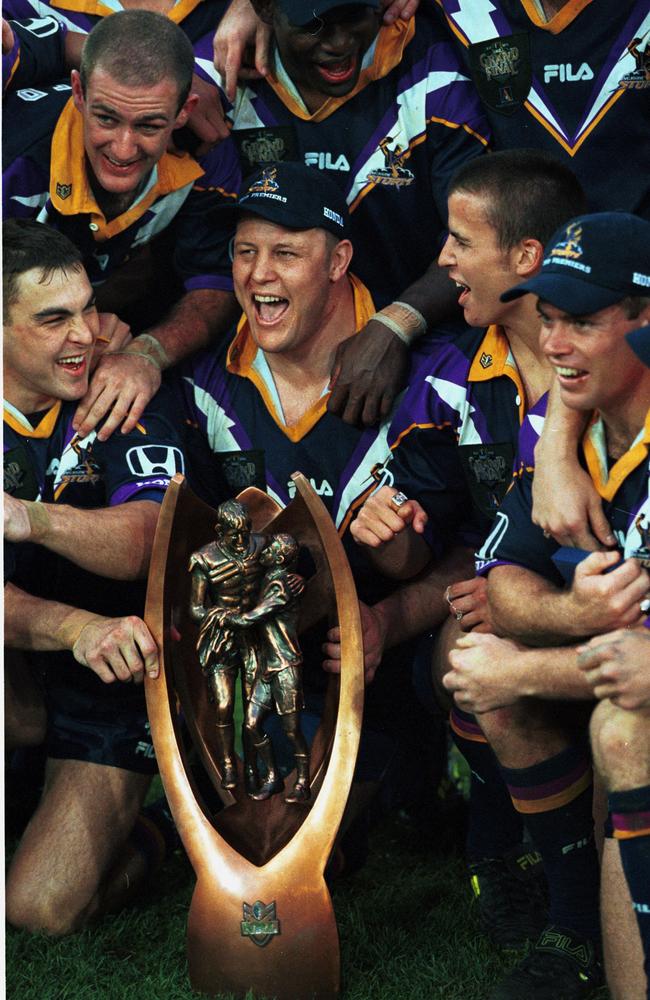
(229, 396)
(577, 85)
(45, 177)
(37, 55)
(622, 485)
(197, 18)
(454, 436)
(391, 145)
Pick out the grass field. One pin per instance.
(407, 924)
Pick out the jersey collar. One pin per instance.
(559, 21)
(594, 445)
(19, 422)
(246, 360)
(385, 53)
(177, 13)
(70, 190)
(495, 359)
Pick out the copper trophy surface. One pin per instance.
(227, 609)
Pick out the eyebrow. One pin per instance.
(62, 311)
(107, 109)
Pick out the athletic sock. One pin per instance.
(555, 799)
(494, 825)
(631, 820)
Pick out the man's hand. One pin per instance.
(120, 649)
(241, 46)
(567, 506)
(617, 666)
(468, 604)
(206, 119)
(113, 336)
(399, 8)
(16, 517)
(121, 386)
(369, 369)
(485, 673)
(378, 522)
(602, 601)
(7, 38)
(374, 638)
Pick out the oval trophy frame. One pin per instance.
(261, 917)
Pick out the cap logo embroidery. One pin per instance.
(267, 183)
(569, 247)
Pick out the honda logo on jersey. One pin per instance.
(155, 460)
(565, 73)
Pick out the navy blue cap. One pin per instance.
(295, 196)
(639, 341)
(592, 262)
(302, 12)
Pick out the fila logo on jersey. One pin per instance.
(324, 490)
(565, 72)
(324, 161)
(154, 460)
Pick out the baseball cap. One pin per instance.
(592, 262)
(301, 12)
(639, 341)
(295, 196)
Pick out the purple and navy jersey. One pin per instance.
(37, 55)
(44, 178)
(454, 436)
(391, 145)
(577, 86)
(623, 486)
(230, 403)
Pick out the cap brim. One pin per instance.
(639, 341)
(566, 292)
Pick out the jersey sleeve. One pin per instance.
(37, 55)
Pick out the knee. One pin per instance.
(32, 909)
(611, 742)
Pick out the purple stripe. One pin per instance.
(129, 490)
(534, 792)
(631, 821)
(220, 282)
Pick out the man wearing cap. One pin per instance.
(260, 402)
(386, 112)
(591, 291)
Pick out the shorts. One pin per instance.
(102, 725)
(282, 691)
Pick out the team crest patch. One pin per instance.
(502, 71)
(258, 146)
(63, 190)
(643, 552)
(393, 173)
(259, 923)
(488, 472)
(571, 246)
(19, 477)
(242, 469)
(267, 183)
(639, 78)
(86, 469)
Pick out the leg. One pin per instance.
(67, 869)
(24, 708)
(256, 712)
(291, 726)
(221, 685)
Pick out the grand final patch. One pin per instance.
(488, 472)
(259, 146)
(242, 469)
(260, 923)
(19, 477)
(502, 71)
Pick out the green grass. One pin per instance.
(407, 924)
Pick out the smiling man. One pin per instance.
(144, 219)
(79, 515)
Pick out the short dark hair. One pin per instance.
(231, 516)
(139, 48)
(529, 193)
(27, 244)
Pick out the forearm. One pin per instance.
(552, 673)
(406, 555)
(36, 624)
(114, 542)
(196, 320)
(562, 430)
(434, 295)
(526, 607)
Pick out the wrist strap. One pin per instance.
(403, 320)
(146, 346)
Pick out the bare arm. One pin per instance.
(528, 607)
(393, 537)
(617, 666)
(114, 648)
(565, 501)
(114, 542)
(125, 381)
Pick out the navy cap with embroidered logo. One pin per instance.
(301, 12)
(639, 341)
(295, 196)
(592, 262)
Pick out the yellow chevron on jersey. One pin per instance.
(594, 445)
(95, 8)
(70, 189)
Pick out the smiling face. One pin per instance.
(593, 363)
(283, 282)
(126, 128)
(323, 57)
(49, 339)
(476, 262)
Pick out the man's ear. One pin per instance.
(340, 260)
(77, 90)
(529, 254)
(186, 110)
(264, 9)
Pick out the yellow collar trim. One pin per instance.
(177, 13)
(390, 44)
(493, 359)
(594, 445)
(19, 422)
(68, 176)
(560, 20)
(242, 353)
